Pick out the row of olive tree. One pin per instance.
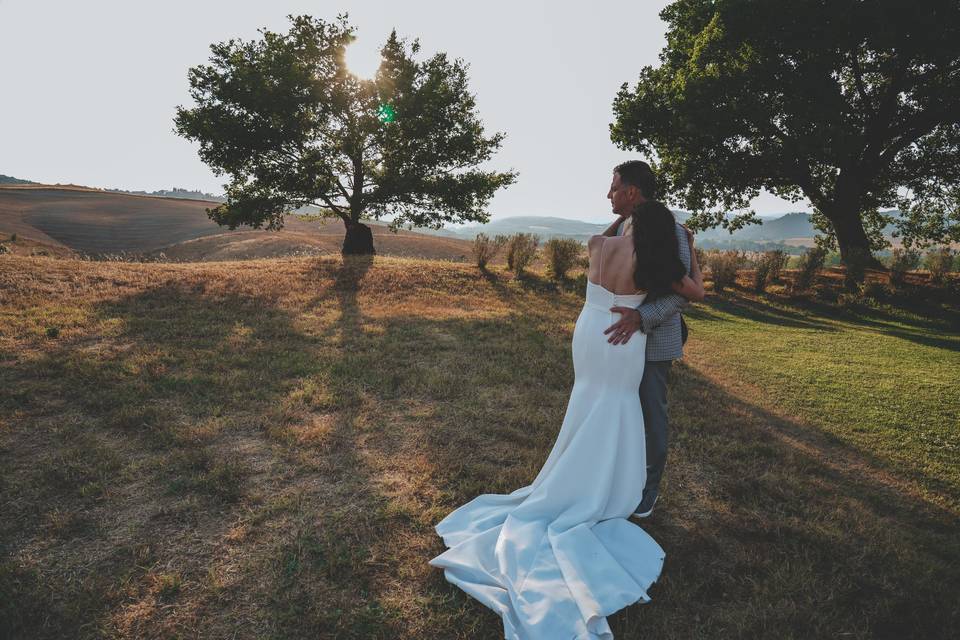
(767, 267)
(561, 254)
(938, 263)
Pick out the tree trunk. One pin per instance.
(359, 239)
(854, 246)
(850, 235)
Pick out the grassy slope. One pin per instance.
(260, 449)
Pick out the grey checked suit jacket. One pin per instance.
(661, 317)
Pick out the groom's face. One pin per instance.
(622, 197)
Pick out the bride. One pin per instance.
(556, 557)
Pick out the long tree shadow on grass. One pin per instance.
(898, 317)
(805, 314)
(148, 463)
(741, 307)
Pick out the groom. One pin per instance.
(633, 183)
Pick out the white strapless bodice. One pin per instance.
(598, 296)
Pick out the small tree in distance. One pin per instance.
(723, 269)
(561, 254)
(761, 274)
(485, 249)
(292, 126)
(901, 261)
(778, 262)
(939, 262)
(809, 267)
(521, 251)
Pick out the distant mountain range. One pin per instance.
(790, 225)
(163, 193)
(774, 230)
(791, 231)
(11, 180)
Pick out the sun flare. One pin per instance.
(361, 61)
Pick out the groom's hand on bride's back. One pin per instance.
(621, 330)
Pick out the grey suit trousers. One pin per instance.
(653, 398)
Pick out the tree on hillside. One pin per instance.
(854, 105)
(292, 126)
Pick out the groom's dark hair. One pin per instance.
(639, 174)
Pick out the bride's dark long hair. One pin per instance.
(658, 263)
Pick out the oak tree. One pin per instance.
(292, 126)
(854, 105)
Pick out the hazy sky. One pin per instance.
(90, 88)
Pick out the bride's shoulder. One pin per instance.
(595, 240)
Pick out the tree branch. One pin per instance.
(858, 81)
(341, 188)
(335, 208)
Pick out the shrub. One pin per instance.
(4, 249)
(769, 266)
(701, 258)
(849, 300)
(521, 250)
(723, 268)
(13, 237)
(561, 254)
(874, 291)
(811, 262)
(939, 262)
(485, 248)
(855, 267)
(778, 262)
(865, 294)
(902, 261)
(761, 274)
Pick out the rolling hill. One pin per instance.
(93, 221)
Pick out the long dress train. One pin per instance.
(556, 557)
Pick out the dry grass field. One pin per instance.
(260, 449)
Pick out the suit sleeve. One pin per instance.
(653, 313)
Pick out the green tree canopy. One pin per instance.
(853, 104)
(285, 118)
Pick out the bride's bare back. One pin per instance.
(617, 262)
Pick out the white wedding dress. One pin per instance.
(556, 557)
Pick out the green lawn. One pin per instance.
(882, 380)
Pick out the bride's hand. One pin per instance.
(625, 327)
